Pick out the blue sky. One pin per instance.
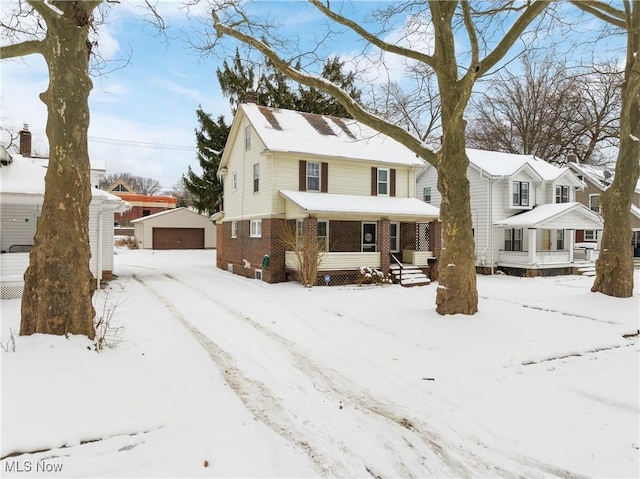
(143, 115)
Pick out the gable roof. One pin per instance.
(306, 133)
(541, 215)
(181, 211)
(597, 175)
(494, 163)
(374, 206)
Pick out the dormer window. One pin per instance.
(594, 202)
(520, 193)
(562, 194)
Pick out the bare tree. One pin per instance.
(58, 283)
(142, 185)
(450, 20)
(614, 267)
(548, 110)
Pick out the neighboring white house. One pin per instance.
(524, 213)
(179, 228)
(21, 197)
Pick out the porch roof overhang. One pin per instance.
(554, 216)
(328, 205)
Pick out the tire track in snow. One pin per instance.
(413, 433)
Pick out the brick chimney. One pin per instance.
(25, 141)
(572, 158)
(249, 96)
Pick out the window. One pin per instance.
(562, 194)
(256, 229)
(256, 177)
(323, 235)
(594, 202)
(426, 195)
(313, 176)
(234, 229)
(560, 240)
(234, 181)
(247, 137)
(146, 212)
(383, 182)
(513, 239)
(591, 235)
(520, 193)
(394, 236)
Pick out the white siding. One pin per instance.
(17, 224)
(243, 202)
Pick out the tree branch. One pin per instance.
(354, 109)
(602, 11)
(21, 49)
(374, 40)
(510, 37)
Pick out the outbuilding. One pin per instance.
(179, 228)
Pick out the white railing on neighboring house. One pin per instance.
(541, 258)
(12, 268)
(418, 258)
(338, 261)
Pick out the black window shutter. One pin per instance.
(392, 180)
(302, 175)
(324, 177)
(374, 181)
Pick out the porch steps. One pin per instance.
(588, 270)
(411, 275)
(636, 263)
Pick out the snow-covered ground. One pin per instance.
(221, 376)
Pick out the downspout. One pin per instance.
(99, 247)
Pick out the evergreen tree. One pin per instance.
(206, 190)
(272, 88)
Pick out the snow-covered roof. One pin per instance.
(541, 214)
(168, 212)
(635, 211)
(23, 180)
(597, 175)
(297, 132)
(383, 206)
(496, 163)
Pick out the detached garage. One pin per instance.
(179, 228)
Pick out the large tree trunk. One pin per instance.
(58, 283)
(614, 267)
(457, 292)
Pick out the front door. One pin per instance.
(369, 237)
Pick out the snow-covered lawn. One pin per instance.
(221, 376)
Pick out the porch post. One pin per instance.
(571, 241)
(384, 244)
(532, 245)
(310, 228)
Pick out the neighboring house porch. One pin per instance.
(541, 241)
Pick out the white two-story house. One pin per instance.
(524, 213)
(331, 178)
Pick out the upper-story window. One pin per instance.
(594, 202)
(383, 182)
(426, 195)
(313, 176)
(234, 181)
(247, 137)
(520, 193)
(562, 194)
(256, 177)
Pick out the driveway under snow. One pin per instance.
(221, 376)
